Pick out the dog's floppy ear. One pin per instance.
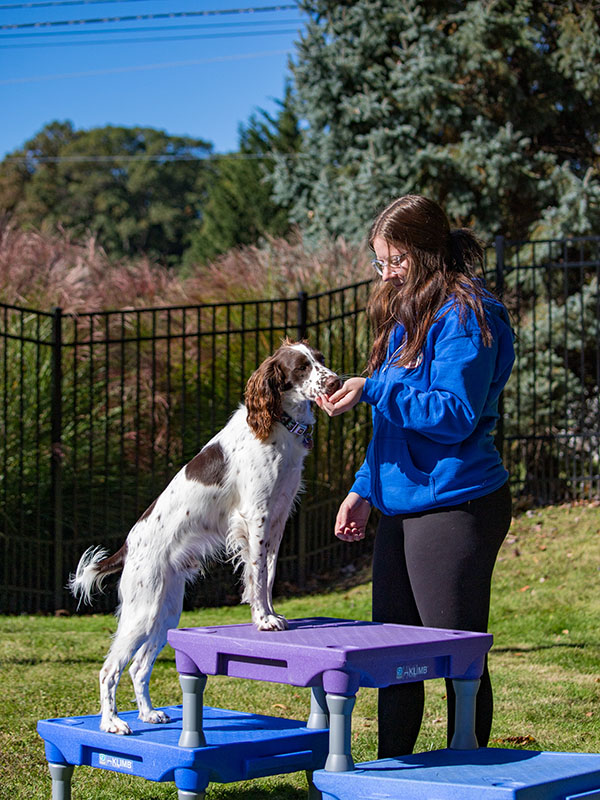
(263, 397)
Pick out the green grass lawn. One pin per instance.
(545, 667)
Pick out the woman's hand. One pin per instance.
(344, 399)
(352, 518)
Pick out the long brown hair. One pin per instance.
(444, 263)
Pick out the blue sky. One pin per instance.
(189, 74)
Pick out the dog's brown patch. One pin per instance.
(114, 563)
(294, 364)
(208, 467)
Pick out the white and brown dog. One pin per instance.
(234, 497)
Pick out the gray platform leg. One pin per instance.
(464, 721)
(319, 716)
(183, 794)
(61, 781)
(192, 734)
(340, 728)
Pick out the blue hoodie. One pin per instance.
(432, 439)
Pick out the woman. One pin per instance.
(442, 353)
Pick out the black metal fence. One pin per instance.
(551, 420)
(98, 411)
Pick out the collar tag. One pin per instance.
(297, 428)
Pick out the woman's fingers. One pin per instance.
(352, 387)
(343, 399)
(350, 536)
(339, 394)
(351, 519)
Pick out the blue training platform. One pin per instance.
(238, 746)
(485, 774)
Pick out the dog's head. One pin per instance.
(295, 368)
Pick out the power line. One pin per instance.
(138, 17)
(165, 157)
(259, 23)
(100, 159)
(54, 3)
(144, 39)
(142, 67)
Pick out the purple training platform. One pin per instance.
(338, 655)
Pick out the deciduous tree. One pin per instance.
(138, 190)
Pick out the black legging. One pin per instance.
(435, 569)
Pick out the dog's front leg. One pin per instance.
(272, 554)
(257, 586)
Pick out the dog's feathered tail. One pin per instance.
(94, 565)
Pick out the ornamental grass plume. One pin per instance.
(42, 270)
(279, 268)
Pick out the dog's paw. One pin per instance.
(115, 725)
(271, 622)
(155, 716)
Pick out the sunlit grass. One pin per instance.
(544, 664)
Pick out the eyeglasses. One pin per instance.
(394, 263)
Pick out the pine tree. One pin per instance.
(491, 107)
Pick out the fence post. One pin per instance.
(302, 315)
(499, 248)
(56, 456)
(301, 568)
(301, 333)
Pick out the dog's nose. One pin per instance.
(332, 385)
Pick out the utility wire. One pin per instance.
(138, 17)
(144, 39)
(143, 67)
(165, 157)
(259, 23)
(54, 3)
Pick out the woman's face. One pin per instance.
(394, 263)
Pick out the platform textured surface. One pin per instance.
(378, 654)
(485, 774)
(238, 746)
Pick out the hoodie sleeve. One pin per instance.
(362, 482)
(460, 376)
